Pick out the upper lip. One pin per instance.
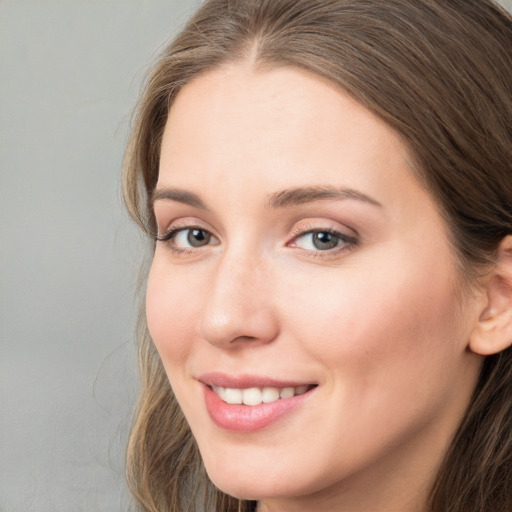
(249, 381)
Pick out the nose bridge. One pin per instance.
(238, 304)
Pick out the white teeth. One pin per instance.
(233, 396)
(251, 396)
(270, 395)
(221, 392)
(257, 396)
(287, 393)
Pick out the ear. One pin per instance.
(493, 331)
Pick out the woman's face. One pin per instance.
(304, 270)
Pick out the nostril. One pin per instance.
(245, 338)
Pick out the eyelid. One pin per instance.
(340, 234)
(179, 224)
(184, 224)
(323, 226)
(171, 241)
(350, 241)
(174, 231)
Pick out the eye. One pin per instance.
(192, 237)
(323, 240)
(188, 238)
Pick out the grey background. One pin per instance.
(70, 72)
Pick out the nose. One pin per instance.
(238, 305)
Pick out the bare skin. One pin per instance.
(300, 247)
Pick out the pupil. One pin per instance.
(324, 240)
(197, 237)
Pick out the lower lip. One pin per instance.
(248, 418)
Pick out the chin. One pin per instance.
(249, 483)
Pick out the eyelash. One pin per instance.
(173, 232)
(348, 241)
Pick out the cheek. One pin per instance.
(391, 347)
(382, 326)
(169, 313)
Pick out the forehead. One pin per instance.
(246, 98)
(272, 129)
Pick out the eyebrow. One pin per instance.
(178, 195)
(283, 199)
(301, 195)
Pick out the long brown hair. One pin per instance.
(440, 73)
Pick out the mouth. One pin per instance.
(248, 403)
(256, 396)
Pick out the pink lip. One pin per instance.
(248, 381)
(247, 418)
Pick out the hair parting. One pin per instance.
(440, 74)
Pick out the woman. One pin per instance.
(328, 188)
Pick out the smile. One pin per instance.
(251, 403)
(257, 396)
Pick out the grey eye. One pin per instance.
(197, 237)
(323, 241)
(320, 240)
(188, 238)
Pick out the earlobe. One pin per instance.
(493, 331)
